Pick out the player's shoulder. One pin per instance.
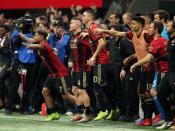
(95, 25)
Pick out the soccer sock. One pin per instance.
(87, 110)
(52, 110)
(78, 108)
(148, 108)
(100, 98)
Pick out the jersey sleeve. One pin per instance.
(129, 35)
(154, 47)
(95, 37)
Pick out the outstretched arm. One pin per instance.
(110, 32)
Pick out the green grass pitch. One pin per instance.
(18, 122)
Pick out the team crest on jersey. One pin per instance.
(73, 43)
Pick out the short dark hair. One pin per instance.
(173, 23)
(129, 14)
(139, 19)
(61, 24)
(148, 15)
(58, 22)
(44, 18)
(42, 32)
(119, 16)
(91, 12)
(158, 26)
(76, 18)
(163, 14)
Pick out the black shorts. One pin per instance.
(146, 80)
(61, 84)
(81, 79)
(100, 75)
(167, 85)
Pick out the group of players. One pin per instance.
(110, 68)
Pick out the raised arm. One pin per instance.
(110, 32)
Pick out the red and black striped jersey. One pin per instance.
(103, 57)
(81, 51)
(52, 62)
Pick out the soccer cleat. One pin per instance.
(111, 115)
(165, 125)
(147, 122)
(76, 117)
(69, 113)
(85, 118)
(156, 119)
(101, 115)
(159, 123)
(172, 127)
(53, 116)
(139, 122)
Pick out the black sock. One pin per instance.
(148, 108)
(52, 110)
(78, 108)
(87, 110)
(100, 98)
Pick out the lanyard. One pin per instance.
(60, 41)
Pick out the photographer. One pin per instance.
(23, 66)
(5, 58)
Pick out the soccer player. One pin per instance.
(99, 60)
(81, 51)
(58, 76)
(5, 62)
(167, 84)
(140, 39)
(157, 49)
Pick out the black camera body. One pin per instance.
(24, 24)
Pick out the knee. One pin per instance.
(82, 92)
(153, 92)
(45, 92)
(75, 91)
